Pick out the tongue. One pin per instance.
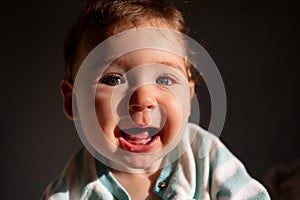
(136, 136)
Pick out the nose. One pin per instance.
(142, 99)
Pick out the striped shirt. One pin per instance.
(206, 170)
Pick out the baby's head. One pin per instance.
(101, 19)
(142, 98)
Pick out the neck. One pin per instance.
(155, 166)
(151, 175)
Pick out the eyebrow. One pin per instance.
(173, 65)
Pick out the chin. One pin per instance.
(139, 162)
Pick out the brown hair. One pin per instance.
(110, 15)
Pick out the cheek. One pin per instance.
(173, 118)
(103, 111)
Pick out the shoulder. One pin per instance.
(203, 143)
(78, 179)
(222, 173)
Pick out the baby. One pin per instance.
(129, 87)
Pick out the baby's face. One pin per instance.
(139, 100)
(133, 109)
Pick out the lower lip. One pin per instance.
(136, 147)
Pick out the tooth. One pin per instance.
(138, 136)
(139, 142)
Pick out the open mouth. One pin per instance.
(139, 139)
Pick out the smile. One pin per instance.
(139, 139)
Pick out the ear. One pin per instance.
(192, 89)
(66, 90)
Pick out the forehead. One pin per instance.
(94, 36)
(150, 56)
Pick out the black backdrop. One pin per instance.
(254, 43)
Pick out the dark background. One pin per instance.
(254, 43)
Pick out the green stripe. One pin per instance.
(221, 156)
(234, 184)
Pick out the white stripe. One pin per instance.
(250, 189)
(223, 172)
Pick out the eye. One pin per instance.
(165, 80)
(112, 80)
